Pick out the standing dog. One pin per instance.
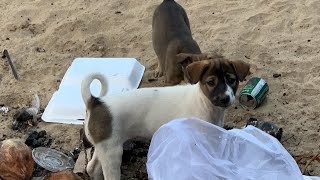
(111, 120)
(171, 35)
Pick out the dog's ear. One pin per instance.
(186, 58)
(241, 68)
(195, 70)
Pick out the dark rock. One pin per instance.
(38, 139)
(38, 49)
(276, 75)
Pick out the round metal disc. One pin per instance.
(51, 159)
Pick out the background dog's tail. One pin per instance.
(85, 86)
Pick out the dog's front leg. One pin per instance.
(109, 154)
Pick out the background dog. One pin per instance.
(171, 35)
(111, 120)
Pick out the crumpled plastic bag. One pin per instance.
(190, 148)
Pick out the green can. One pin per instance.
(253, 93)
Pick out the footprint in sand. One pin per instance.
(260, 19)
(287, 6)
(311, 92)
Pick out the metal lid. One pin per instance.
(51, 159)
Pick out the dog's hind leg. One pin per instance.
(94, 168)
(174, 74)
(110, 156)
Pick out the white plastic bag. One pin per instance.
(193, 149)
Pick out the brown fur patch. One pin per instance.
(195, 70)
(241, 68)
(100, 120)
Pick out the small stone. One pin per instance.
(38, 49)
(276, 75)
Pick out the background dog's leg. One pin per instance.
(109, 154)
(174, 74)
(159, 70)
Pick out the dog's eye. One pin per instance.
(230, 79)
(210, 82)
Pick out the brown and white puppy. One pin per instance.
(171, 35)
(111, 120)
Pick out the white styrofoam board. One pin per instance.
(66, 104)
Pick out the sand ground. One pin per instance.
(274, 36)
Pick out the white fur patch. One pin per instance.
(230, 93)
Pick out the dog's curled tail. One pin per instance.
(85, 86)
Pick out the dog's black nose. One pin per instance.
(225, 100)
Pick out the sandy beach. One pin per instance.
(274, 36)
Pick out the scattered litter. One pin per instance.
(21, 120)
(267, 127)
(34, 109)
(307, 158)
(253, 93)
(22, 117)
(66, 104)
(6, 55)
(4, 110)
(74, 154)
(194, 147)
(15, 160)
(52, 160)
(303, 170)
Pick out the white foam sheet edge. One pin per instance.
(66, 104)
